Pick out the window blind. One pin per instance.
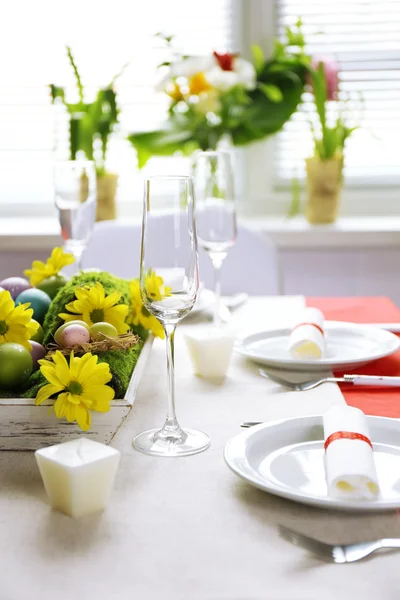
(103, 37)
(363, 36)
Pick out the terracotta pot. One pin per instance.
(106, 192)
(324, 187)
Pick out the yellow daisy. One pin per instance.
(155, 288)
(139, 315)
(82, 384)
(16, 323)
(40, 270)
(93, 306)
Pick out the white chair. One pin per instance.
(251, 265)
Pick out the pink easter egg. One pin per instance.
(38, 352)
(74, 334)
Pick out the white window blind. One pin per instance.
(363, 36)
(103, 37)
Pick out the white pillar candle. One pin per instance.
(210, 349)
(307, 338)
(78, 475)
(349, 463)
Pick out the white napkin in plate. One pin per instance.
(349, 463)
(307, 338)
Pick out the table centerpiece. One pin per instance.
(70, 358)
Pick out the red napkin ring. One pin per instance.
(312, 324)
(346, 435)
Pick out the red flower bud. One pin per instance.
(225, 61)
(331, 71)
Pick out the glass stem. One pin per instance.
(217, 264)
(171, 431)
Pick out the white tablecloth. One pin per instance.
(188, 528)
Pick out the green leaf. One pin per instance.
(258, 56)
(76, 73)
(271, 91)
(57, 92)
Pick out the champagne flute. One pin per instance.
(75, 199)
(169, 251)
(216, 212)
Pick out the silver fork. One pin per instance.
(334, 552)
(372, 380)
(307, 385)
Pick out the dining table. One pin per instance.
(188, 528)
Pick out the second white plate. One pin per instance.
(285, 458)
(347, 346)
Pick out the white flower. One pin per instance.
(243, 74)
(190, 66)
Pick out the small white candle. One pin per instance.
(78, 475)
(210, 350)
(349, 461)
(307, 339)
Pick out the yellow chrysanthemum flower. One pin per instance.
(139, 315)
(16, 323)
(155, 287)
(40, 270)
(82, 384)
(93, 306)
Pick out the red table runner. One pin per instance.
(383, 402)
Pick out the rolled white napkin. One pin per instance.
(349, 463)
(307, 339)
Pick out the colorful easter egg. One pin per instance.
(15, 285)
(39, 335)
(15, 365)
(38, 300)
(73, 335)
(38, 351)
(99, 330)
(57, 335)
(51, 285)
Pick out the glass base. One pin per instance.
(195, 441)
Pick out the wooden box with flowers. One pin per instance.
(71, 353)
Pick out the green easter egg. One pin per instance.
(15, 365)
(57, 335)
(39, 335)
(99, 330)
(38, 300)
(51, 285)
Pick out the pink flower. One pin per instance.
(331, 70)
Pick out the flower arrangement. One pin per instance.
(222, 95)
(90, 337)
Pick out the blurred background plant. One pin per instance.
(223, 96)
(90, 127)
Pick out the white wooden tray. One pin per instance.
(25, 426)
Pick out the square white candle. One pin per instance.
(78, 475)
(210, 349)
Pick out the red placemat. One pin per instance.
(383, 402)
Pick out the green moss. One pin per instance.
(67, 294)
(122, 363)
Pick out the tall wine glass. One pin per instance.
(216, 211)
(75, 199)
(169, 249)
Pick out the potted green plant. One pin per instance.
(330, 132)
(92, 123)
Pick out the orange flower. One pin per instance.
(198, 83)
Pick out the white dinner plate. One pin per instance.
(285, 458)
(347, 345)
